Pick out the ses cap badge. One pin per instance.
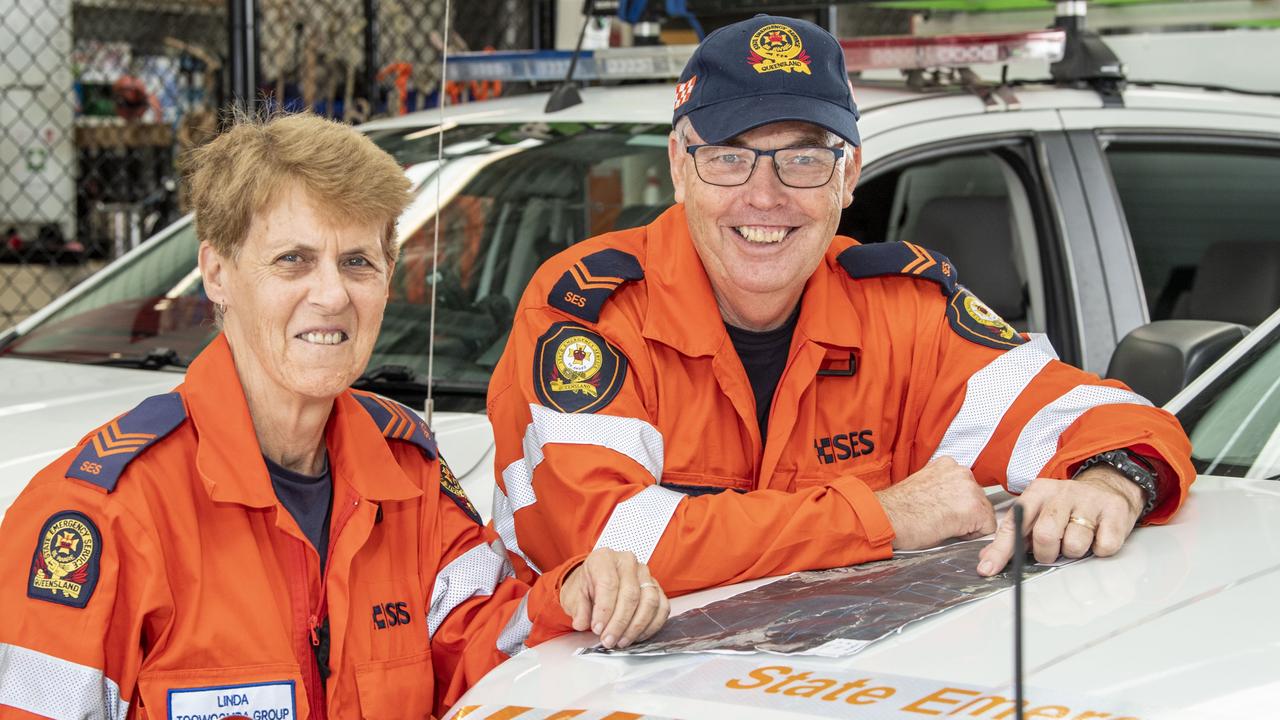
(577, 370)
(778, 47)
(974, 320)
(65, 567)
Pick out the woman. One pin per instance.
(263, 541)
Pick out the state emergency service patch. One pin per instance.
(451, 487)
(576, 370)
(778, 47)
(973, 320)
(67, 559)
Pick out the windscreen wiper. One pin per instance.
(401, 379)
(155, 359)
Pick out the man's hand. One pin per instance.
(1096, 510)
(616, 597)
(939, 502)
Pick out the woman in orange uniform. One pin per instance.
(263, 541)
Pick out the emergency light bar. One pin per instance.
(649, 63)
(918, 53)
(664, 62)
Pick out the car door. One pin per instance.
(1181, 195)
(995, 192)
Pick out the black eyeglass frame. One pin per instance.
(838, 152)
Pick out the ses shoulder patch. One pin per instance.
(588, 283)
(103, 459)
(450, 486)
(67, 560)
(899, 258)
(398, 422)
(973, 320)
(575, 370)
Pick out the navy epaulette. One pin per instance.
(398, 422)
(899, 258)
(103, 459)
(588, 283)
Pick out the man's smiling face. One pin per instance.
(762, 237)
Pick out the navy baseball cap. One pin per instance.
(764, 70)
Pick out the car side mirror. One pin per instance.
(1159, 359)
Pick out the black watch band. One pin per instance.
(1132, 466)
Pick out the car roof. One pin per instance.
(651, 103)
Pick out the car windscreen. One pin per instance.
(511, 196)
(1234, 423)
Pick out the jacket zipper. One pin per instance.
(315, 687)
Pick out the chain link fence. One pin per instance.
(100, 98)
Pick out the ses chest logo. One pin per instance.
(844, 446)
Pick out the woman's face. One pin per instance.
(304, 298)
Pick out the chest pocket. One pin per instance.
(874, 471)
(400, 688)
(269, 692)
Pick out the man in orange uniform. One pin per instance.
(731, 392)
(265, 542)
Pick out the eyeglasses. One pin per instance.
(797, 167)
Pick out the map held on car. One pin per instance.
(832, 613)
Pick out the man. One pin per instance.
(731, 392)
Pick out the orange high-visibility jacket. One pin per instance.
(152, 572)
(624, 417)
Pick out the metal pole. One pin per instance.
(371, 52)
(242, 27)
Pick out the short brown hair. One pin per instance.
(244, 169)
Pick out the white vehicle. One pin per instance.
(1065, 211)
(1180, 624)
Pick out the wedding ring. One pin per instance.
(644, 585)
(1085, 522)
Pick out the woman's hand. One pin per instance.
(615, 597)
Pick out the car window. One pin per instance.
(152, 298)
(1234, 424)
(972, 207)
(1205, 225)
(512, 196)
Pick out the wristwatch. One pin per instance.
(1132, 466)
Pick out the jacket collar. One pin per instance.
(229, 459)
(682, 306)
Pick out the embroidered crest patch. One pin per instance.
(576, 370)
(451, 487)
(973, 320)
(778, 47)
(67, 558)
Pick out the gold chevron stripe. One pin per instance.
(587, 281)
(112, 441)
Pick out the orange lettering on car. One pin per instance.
(938, 696)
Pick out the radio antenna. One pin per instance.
(429, 408)
(1019, 554)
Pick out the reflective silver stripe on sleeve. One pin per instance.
(638, 522)
(1038, 441)
(50, 686)
(513, 636)
(504, 521)
(475, 572)
(988, 395)
(632, 437)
